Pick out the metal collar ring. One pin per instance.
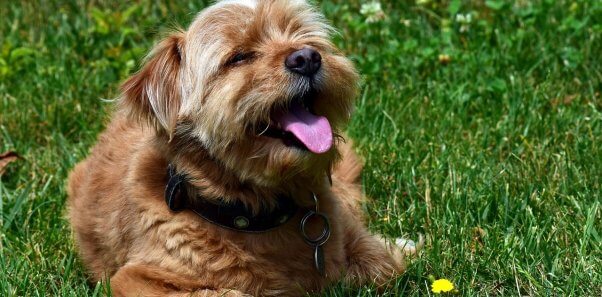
(320, 240)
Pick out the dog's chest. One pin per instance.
(277, 261)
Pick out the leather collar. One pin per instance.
(233, 216)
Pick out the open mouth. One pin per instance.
(300, 127)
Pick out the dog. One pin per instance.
(224, 170)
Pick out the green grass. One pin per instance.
(495, 156)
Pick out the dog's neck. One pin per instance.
(210, 179)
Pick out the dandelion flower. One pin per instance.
(444, 59)
(442, 285)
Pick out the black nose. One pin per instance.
(306, 62)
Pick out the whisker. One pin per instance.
(339, 137)
(264, 130)
(259, 155)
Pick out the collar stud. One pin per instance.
(283, 219)
(241, 222)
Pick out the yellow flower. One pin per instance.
(442, 285)
(444, 59)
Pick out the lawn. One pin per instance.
(480, 123)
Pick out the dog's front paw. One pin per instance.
(410, 247)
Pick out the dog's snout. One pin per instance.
(305, 61)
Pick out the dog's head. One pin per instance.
(257, 84)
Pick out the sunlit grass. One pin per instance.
(480, 123)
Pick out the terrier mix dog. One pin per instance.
(214, 176)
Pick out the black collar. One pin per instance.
(235, 216)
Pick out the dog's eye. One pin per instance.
(239, 58)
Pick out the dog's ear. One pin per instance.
(153, 94)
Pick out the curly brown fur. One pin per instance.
(188, 106)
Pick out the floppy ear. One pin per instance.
(153, 93)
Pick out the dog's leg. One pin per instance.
(372, 259)
(145, 280)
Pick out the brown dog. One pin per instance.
(203, 183)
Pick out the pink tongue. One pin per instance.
(312, 130)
